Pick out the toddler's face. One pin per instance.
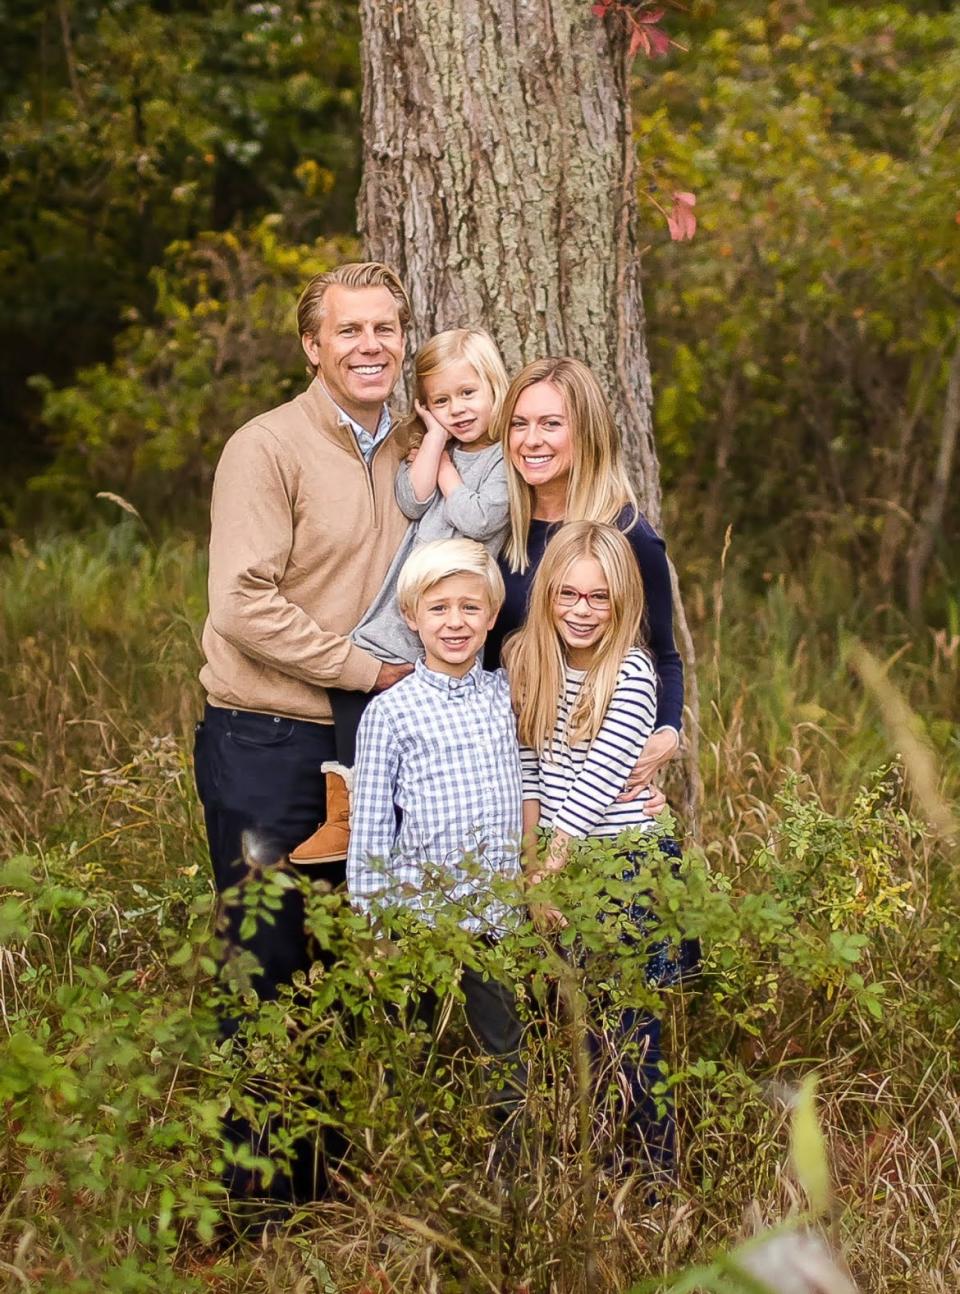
(453, 618)
(461, 402)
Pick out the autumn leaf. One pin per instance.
(681, 221)
(639, 40)
(659, 41)
(646, 35)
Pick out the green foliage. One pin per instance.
(126, 126)
(112, 1077)
(801, 342)
(92, 1052)
(219, 346)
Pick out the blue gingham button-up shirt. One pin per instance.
(444, 751)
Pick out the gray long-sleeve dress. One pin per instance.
(478, 509)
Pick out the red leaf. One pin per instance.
(681, 221)
(600, 10)
(653, 17)
(659, 42)
(639, 40)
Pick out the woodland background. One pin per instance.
(170, 174)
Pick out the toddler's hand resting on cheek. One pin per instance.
(434, 428)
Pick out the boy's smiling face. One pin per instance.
(453, 618)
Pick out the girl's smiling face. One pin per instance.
(461, 402)
(581, 610)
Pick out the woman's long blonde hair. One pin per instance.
(479, 350)
(599, 486)
(536, 656)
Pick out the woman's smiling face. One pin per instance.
(539, 438)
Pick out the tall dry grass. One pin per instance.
(99, 655)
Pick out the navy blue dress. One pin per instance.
(651, 554)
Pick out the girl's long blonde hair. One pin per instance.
(536, 656)
(479, 350)
(599, 486)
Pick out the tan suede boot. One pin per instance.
(329, 842)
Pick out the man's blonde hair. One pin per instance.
(437, 560)
(357, 274)
(599, 486)
(474, 345)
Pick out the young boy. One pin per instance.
(441, 747)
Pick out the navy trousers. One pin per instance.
(262, 772)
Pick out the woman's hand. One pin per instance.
(659, 750)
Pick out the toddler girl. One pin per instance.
(586, 702)
(452, 484)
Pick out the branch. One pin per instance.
(72, 76)
(930, 523)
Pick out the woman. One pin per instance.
(564, 462)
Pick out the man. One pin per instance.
(303, 529)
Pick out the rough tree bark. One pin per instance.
(499, 181)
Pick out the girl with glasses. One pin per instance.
(585, 694)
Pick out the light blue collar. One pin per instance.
(446, 682)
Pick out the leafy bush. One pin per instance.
(802, 343)
(112, 1106)
(223, 346)
(816, 959)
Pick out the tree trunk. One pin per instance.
(499, 181)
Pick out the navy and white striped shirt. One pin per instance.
(577, 785)
(444, 751)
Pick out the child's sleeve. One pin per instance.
(373, 822)
(613, 752)
(530, 773)
(407, 501)
(484, 512)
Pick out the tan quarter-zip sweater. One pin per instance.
(302, 531)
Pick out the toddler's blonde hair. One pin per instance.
(479, 350)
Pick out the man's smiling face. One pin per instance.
(358, 349)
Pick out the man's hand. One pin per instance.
(659, 750)
(390, 674)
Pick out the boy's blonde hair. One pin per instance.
(599, 486)
(437, 560)
(479, 350)
(537, 658)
